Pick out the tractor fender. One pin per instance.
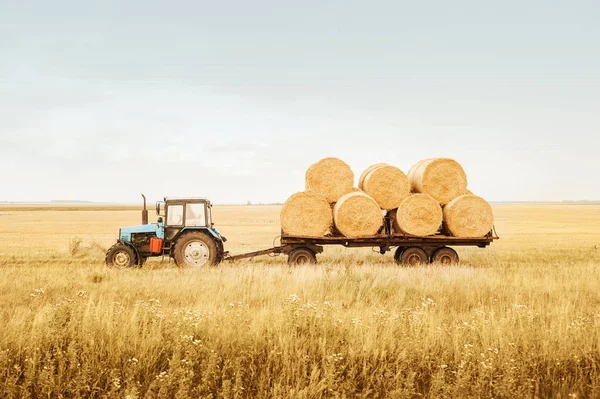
(205, 230)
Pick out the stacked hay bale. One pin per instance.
(387, 184)
(418, 215)
(432, 195)
(464, 214)
(331, 177)
(468, 216)
(306, 214)
(357, 215)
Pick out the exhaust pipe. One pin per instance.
(144, 212)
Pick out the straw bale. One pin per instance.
(306, 213)
(364, 174)
(468, 216)
(331, 177)
(411, 172)
(356, 215)
(418, 215)
(442, 178)
(387, 185)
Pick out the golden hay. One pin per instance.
(411, 173)
(364, 174)
(387, 185)
(418, 215)
(442, 178)
(306, 214)
(468, 216)
(331, 177)
(356, 215)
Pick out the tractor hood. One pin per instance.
(158, 228)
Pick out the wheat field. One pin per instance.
(520, 319)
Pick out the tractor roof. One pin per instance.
(187, 199)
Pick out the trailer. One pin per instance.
(409, 250)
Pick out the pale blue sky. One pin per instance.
(234, 100)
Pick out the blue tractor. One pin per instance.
(183, 231)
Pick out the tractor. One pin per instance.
(183, 231)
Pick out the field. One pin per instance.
(518, 319)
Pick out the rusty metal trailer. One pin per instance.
(410, 250)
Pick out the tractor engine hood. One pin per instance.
(126, 232)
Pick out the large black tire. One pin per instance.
(197, 250)
(414, 256)
(120, 256)
(302, 256)
(445, 256)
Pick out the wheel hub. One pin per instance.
(414, 259)
(445, 260)
(121, 259)
(302, 260)
(196, 254)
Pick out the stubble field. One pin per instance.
(518, 319)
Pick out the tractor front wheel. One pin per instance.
(120, 256)
(196, 250)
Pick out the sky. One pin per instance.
(233, 100)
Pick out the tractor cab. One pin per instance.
(184, 231)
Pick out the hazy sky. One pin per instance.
(234, 100)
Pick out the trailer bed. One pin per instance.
(384, 242)
(395, 240)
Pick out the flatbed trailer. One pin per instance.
(411, 250)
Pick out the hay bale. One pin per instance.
(442, 178)
(331, 177)
(468, 216)
(364, 174)
(411, 173)
(387, 185)
(306, 213)
(357, 215)
(418, 215)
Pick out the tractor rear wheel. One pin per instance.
(445, 256)
(196, 249)
(301, 256)
(414, 256)
(120, 256)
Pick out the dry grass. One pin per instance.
(519, 319)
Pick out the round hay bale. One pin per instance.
(468, 216)
(306, 213)
(442, 178)
(418, 215)
(331, 177)
(364, 174)
(387, 185)
(411, 172)
(357, 215)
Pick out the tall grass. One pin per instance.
(324, 331)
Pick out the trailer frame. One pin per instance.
(385, 242)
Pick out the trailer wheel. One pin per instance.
(414, 256)
(445, 256)
(301, 256)
(196, 249)
(120, 256)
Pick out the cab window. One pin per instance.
(175, 215)
(194, 215)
